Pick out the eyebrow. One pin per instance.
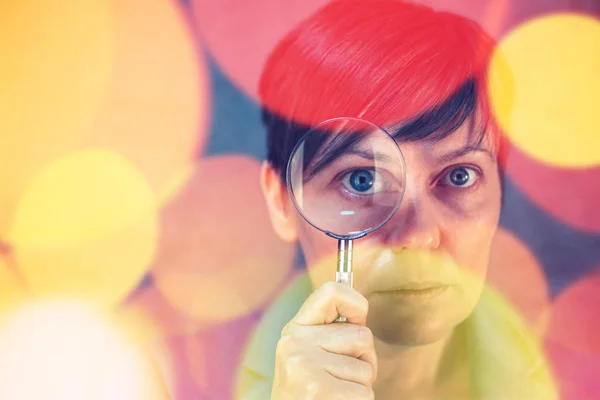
(462, 151)
(335, 149)
(368, 155)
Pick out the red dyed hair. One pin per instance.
(387, 61)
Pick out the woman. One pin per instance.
(420, 325)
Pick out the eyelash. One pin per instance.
(477, 171)
(338, 180)
(446, 172)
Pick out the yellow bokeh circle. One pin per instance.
(56, 63)
(545, 89)
(123, 74)
(85, 227)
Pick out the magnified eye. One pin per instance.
(461, 177)
(363, 181)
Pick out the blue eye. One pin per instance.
(460, 177)
(362, 181)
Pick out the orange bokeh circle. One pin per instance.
(515, 273)
(241, 34)
(156, 108)
(218, 256)
(123, 74)
(164, 320)
(56, 64)
(573, 316)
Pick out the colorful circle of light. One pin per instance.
(13, 292)
(224, 343)
(72, 352)
(567, 194)
(156, 109)
(218, 257)
(204, 346)
(550, 109)
(517, 275)
(56, 64)
(573, 317)
(150, 305)
(240, 35)
(86, 227)
(197, 360)
(122, 74)
(576, 372)
(492, 16)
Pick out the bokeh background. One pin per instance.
(135, 249)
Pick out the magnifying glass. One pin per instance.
(346, 177)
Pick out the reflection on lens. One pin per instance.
(346, 177)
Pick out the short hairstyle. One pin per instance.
(417, 72)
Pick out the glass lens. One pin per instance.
(346, 177)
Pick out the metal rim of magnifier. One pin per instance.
(293, 197)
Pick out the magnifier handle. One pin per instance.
(344, 267)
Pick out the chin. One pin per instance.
(417, 329)
(410, 333)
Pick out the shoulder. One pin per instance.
(255, 374)
(506, 356)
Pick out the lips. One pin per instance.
(412, 286)
(415, 286)
(416, 290)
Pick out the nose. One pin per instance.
(415, 225)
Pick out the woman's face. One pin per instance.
(423, 271)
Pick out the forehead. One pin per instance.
(474, 134)
(434, 143)
(471, 136)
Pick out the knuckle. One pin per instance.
(330, 289)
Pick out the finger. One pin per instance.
(350, 340)
(343, 339)
(347, 368)
(330, 301)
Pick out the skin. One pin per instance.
(415, 280)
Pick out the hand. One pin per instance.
(319, 359)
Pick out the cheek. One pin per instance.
(469, 240)
(468, 231)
